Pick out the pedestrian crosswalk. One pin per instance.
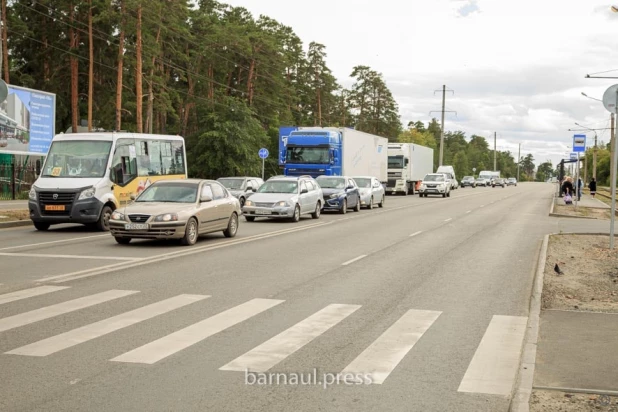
(492, 369)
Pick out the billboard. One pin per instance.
(27, 121)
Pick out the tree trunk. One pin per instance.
(229, 83)
(211, 85)
(91, 66)
(5, 43)
(74, 43)
(120, 69)
(138, 72)
(250, 81)
(150, 108)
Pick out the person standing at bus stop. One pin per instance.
(593, 187)
(579, 188)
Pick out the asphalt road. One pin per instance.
(425, 301)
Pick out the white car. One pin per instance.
(371, 191)
(435, 184)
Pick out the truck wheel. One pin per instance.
(41, 226)
(103, 222)
(344, 207)
(381, 204)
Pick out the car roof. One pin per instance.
(193, 181)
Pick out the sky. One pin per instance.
(516, 68)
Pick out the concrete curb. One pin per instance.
(573, 217)
(15, 223)
(523, 391)
(553, 204)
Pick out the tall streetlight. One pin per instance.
(594, 152)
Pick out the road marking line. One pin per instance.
(61, 308)
(275, 350)
(84, 334)
(103, 269)
(469, 211)
(449, 219)
(416, 233)
(493, 368)
(182, 339)
(29, 293)
(53, 241)
(385, 353)
(353, 260)
(39, 255)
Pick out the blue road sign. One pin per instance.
(579, 143)
(263, 153)
(573, 156)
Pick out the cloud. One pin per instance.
(470, 6)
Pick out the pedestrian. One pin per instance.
(593, 187)
(567, 186)
(579, 189)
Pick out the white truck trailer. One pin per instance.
(408, 163)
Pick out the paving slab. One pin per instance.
(577, 350)
(586, 201)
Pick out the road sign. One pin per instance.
(263, 153)
(579, 143)
(610, 98)
(574, 156)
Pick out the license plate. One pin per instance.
(55, 207)
(263, 212)
(136, 226)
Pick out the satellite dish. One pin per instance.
(4, 91)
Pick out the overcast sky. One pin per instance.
(516, 67)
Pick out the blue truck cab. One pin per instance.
(310, 152)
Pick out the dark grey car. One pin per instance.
(241, 187)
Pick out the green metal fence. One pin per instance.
(16, 180)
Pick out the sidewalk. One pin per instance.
(13, 204)
(586, 201)
(577, 350)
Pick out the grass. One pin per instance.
(12, 215)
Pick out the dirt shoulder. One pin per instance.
(12, 215)
(555, 401)
(590, 279)
(596, 213)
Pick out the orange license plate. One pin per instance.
(54, 207)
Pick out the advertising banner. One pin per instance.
(27, 121)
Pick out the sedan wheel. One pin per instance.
(190, 237)
(318, 210)
(232, 226)
(370, 203)
(296, 217)
(344, 207)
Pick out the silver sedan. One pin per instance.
(371, 191)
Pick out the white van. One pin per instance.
(451, 171)
(86, 176)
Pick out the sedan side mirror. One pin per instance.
(205, 199)
(304, 191)
(132, 196)
(350, 187)
(250, 189)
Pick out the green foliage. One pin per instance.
(224, 79)
(544, 172)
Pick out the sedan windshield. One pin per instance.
(170, 192)
(362, 182)
(434, 178)
(232, 184)
(279, 186)
(331, 182)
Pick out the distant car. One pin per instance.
(468, 181)
(340, 193)
(241, 187)
(435, 184)
(371, 191)
(287, 197)
(481, 181)
(511, 181)
(498, 181)
(177, 209)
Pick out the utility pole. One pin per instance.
(442, 122)
(594, 158)
(442, 125)
(495, 152)
(613, 183)
(518, 160)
